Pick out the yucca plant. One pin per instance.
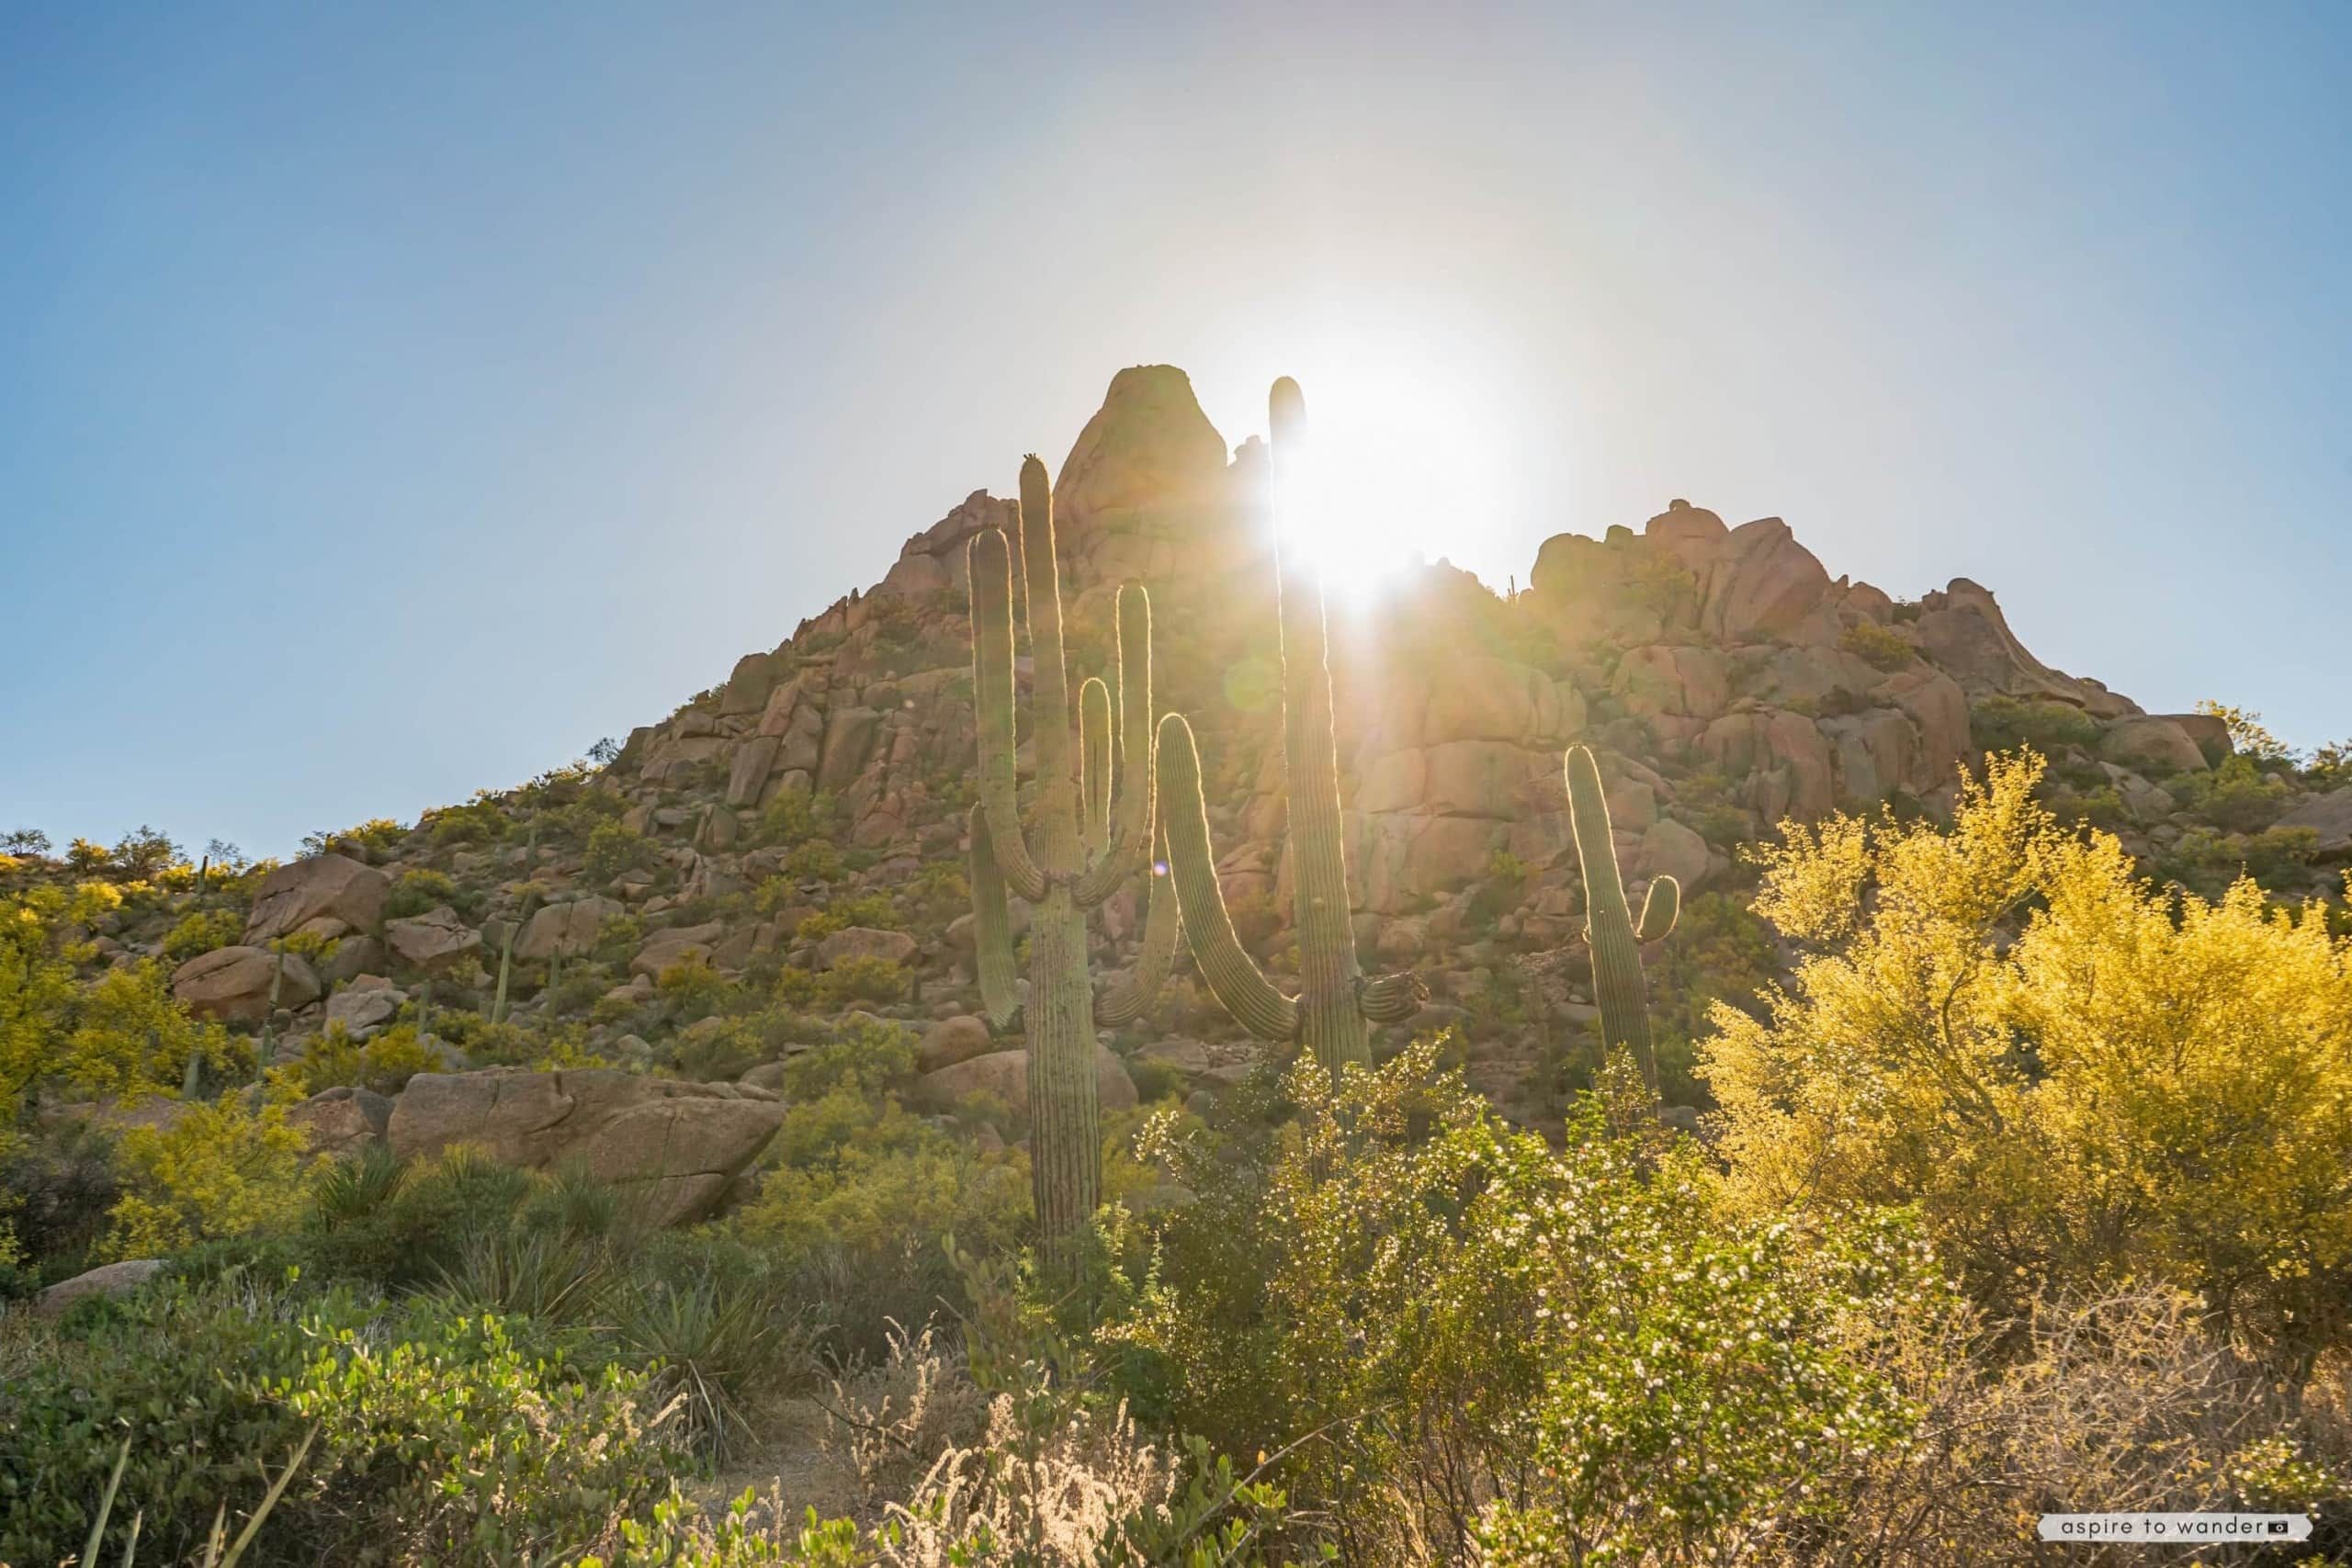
(349, 1191)
(557, 1280)
(708, 1349)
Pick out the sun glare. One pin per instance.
(1395, 468)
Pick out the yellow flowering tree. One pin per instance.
(2080, 1079)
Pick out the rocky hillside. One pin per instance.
(795, 834)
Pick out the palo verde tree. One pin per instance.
(1084, 840)
(1336, 1003)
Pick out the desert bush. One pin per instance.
(862, 979)
(57, 1191)
(418, 890)
(614, 848)
(2128, 1397)
(482, 820)
(2005, 724)
(367, 841)
(2236, 797)
(871, 909)
(2075, 1080)
(792, 817)
(1876, 646)
(384, 1062)
(2207, 862)
(219, 1170)
(1480, 1343)
(199, 932)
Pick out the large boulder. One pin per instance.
(952, 1040)
(231, 985)
(343, 1121)
(336, 887)
(679, 945)
(673, 1147)
(1004, 1076)
(432, 941)
(364, 1006)
(1937, 708)
(2150, 745)
(565, 931)
(1694, 534)
(1761, 584)
(747, 775)
(111, 1280)
(2329, 816)
(1670, 849)
(1149, 447)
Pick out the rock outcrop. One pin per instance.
(232, 985)
(330, 893)
(673, 1148)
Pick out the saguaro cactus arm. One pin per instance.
(1095, 743)
(1391, 999)
(1616, 943)
(991, 927)
(1659, 908)
(1126, 843)
(1239, 984)
(1163, 924)
(990, 565)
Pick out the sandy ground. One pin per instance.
(785, 1466)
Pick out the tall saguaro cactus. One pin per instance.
(1084, 840)
(1609, 929)
(1336, 1003)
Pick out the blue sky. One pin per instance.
(394, 400)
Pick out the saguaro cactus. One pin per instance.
(1609, 928)
(1084, 840)
(1336, 1003)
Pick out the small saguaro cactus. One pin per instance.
(1336, 1004)
(506, 956)
(1611, 931)
(1084, 839)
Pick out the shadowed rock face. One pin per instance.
(672, 1146)
(1970, 638)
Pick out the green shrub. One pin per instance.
(614, 848)
(1454, 1310)
(418, 891)
(871, 909)
(862, 979)
(199, 932)
(2005, 724)
(367, 841)
(384, 1063)
(2237, 797)
(813, 860)
(464, 1440)
(1877, 647)
(480, 820)
(792, 817)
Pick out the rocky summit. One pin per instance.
(807, 815)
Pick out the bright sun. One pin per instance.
(1396, 468)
